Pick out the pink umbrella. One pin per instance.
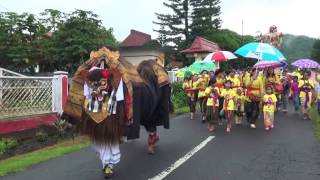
(269, 64)
(220, 56)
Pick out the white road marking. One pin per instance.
(182, 160)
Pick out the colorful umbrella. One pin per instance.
(260, 51)
(220, 56)
(269, 64)
(199, 66)
(305, 63)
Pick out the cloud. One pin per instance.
(291, 16)
(294, 17)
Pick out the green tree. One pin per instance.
(18, 41)
(175, 26)
(77, 36)
(315, 54)
(205, 16)
(52, 19)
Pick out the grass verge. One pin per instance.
(21, 162)
(181, 110)
(316, 121)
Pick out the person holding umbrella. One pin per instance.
(255, 91)
(306, 88)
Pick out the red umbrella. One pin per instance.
(220, 56)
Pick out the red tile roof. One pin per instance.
(202, 45)
(136, 39)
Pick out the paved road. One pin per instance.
(289, 152)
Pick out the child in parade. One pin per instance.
(212, 111)
(220, 79)
(306, 88)
(235, 80)
(294, 86)
(269, 106)
(240, 100)
(201, 84)
(189, 89)
(285, 93)
(228, 104)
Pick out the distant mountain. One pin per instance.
(296, 47)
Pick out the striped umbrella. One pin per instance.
(220, 56)
(260, 51)
(269, 64)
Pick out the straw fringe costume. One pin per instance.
(132, 97)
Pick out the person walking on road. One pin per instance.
(269, 107)
(228, 104)
(306, 87)
(255, 90)
(189, 89)
(212, 108)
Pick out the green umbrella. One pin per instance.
(180, 72)
(199, 66)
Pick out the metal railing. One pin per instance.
(25, 96)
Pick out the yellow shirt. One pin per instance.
(229, 96)
(310, 86)
(235, 82)
(246, 78)
(241, 98)
(255, 87)
(219, 84)
(188, 86)
(269, 102)
(211, 99)
(272, 80)
(201, 84)
(298, 74)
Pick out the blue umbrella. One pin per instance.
(260, 51)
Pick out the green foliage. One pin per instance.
(205, 16)
(179, 97)
(315, 54)
(316, 121)
(297, 47)
(189, 18)
(42, 136)
(174, 27)
(54, 40)
(7, 144)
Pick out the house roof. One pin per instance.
(136, 39)
(202, 45)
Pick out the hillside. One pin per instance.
(296, 47)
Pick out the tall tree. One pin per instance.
(315, 54)
(51, 19)
(175, 26)
(205, 16)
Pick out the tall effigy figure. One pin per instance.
(273, 37)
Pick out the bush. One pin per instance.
(7, 144)
(42, 136)
(179, 98)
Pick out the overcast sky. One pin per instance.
(300, 17)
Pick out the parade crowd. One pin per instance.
(233, 96)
